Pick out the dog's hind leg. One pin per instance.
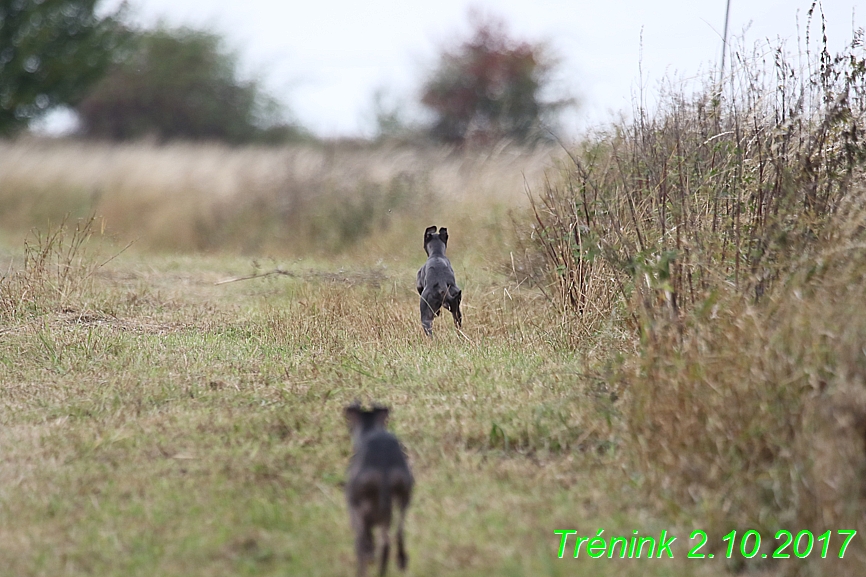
(452, 302)
(431, 302)
(402, 557)
(364, 547)
(384, 550)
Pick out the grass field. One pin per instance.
(155, 423)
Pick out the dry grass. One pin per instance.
(55, 270)
(711, 189)
(325, 200)
(726, 232)
(157, 423)
(760, 411)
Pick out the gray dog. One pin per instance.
(435, 281)
(378, 475)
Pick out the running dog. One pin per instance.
(378, 477)
(435, 281)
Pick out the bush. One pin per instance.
(755, 417)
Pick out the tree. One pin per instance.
(51, 52)
(181, 83)
(490, 87)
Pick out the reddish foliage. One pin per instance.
(488, 87)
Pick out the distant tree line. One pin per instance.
(125, 83)
(181, 83)
(51, 53)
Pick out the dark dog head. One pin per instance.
(362, 421)
(435, 242)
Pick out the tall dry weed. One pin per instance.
(726, 230)
(718, 188)
(755, 416)
(56, 270)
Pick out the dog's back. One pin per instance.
(436, 274)
(378, 477)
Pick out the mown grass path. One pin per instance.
(159, 424)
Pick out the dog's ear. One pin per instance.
(428, 234)
(380, 415)
(354, 416)
(443, 234)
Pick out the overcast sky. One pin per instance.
(326, 58)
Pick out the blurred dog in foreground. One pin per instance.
(435, 281)
(378, 477)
